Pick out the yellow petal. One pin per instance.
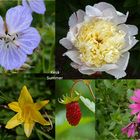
(28, 127)
(40, 104)
(14, 121)
(25, 97)
(37, 117)
(14, 106)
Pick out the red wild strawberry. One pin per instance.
(73, 113)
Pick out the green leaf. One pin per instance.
(129, 94)
(112, 125)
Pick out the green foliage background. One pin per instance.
(112, 112)
(42, 60)
(64, 9)
(40, 89)
(86, 128)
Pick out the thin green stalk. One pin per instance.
(43, 49)
(44, 134)
(113, 136)
(43, 20)
(51, 61)
(18, 2)
(43, 59)
(91, 92)
(72, 88)
(5, 97)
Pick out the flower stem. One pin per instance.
(43, 20)
(91, 91)
(72, 88)
(43, 60)
(51, 61)
(18, 2)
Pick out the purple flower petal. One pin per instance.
(2, 29)
(130, 129)
(138, 118)
(26, 5)
(12, 57)
(37, 6)
(137, 93)
(18, 19)
(28, 40)
(19, 40)
(135, 108)
(135, 99)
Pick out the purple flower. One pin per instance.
(17, 38)
(130, 129)
(135, 106)
(37, 6)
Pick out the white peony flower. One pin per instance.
(98, 40)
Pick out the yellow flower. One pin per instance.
(27, 112)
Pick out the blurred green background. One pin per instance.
(43, 59)
(112, 112)
(40, 89)
(86, 128)
(64, 8)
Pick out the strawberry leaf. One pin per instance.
(89, 104)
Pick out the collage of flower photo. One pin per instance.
(69, 70)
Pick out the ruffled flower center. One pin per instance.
(99, 42)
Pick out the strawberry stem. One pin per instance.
(91, 91)
(72, 88)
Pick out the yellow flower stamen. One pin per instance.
(99, 42)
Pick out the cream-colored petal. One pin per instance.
(71, 35)
(66, 43)
(122, 18)
(40, 104)
(88, 72)
(103, 5)
(133, 30)
(74, 56)
(117, 73)
(122, 65)
(92, 11)
(14, 121)
(76, 18)
(91, 70)
(129, 29)
(109, 12)
(25, 97)
(123, 61)
(131, 41)
(37, 117)
(14, 106)
(28, 127)
(75, 65)
(102, 68)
